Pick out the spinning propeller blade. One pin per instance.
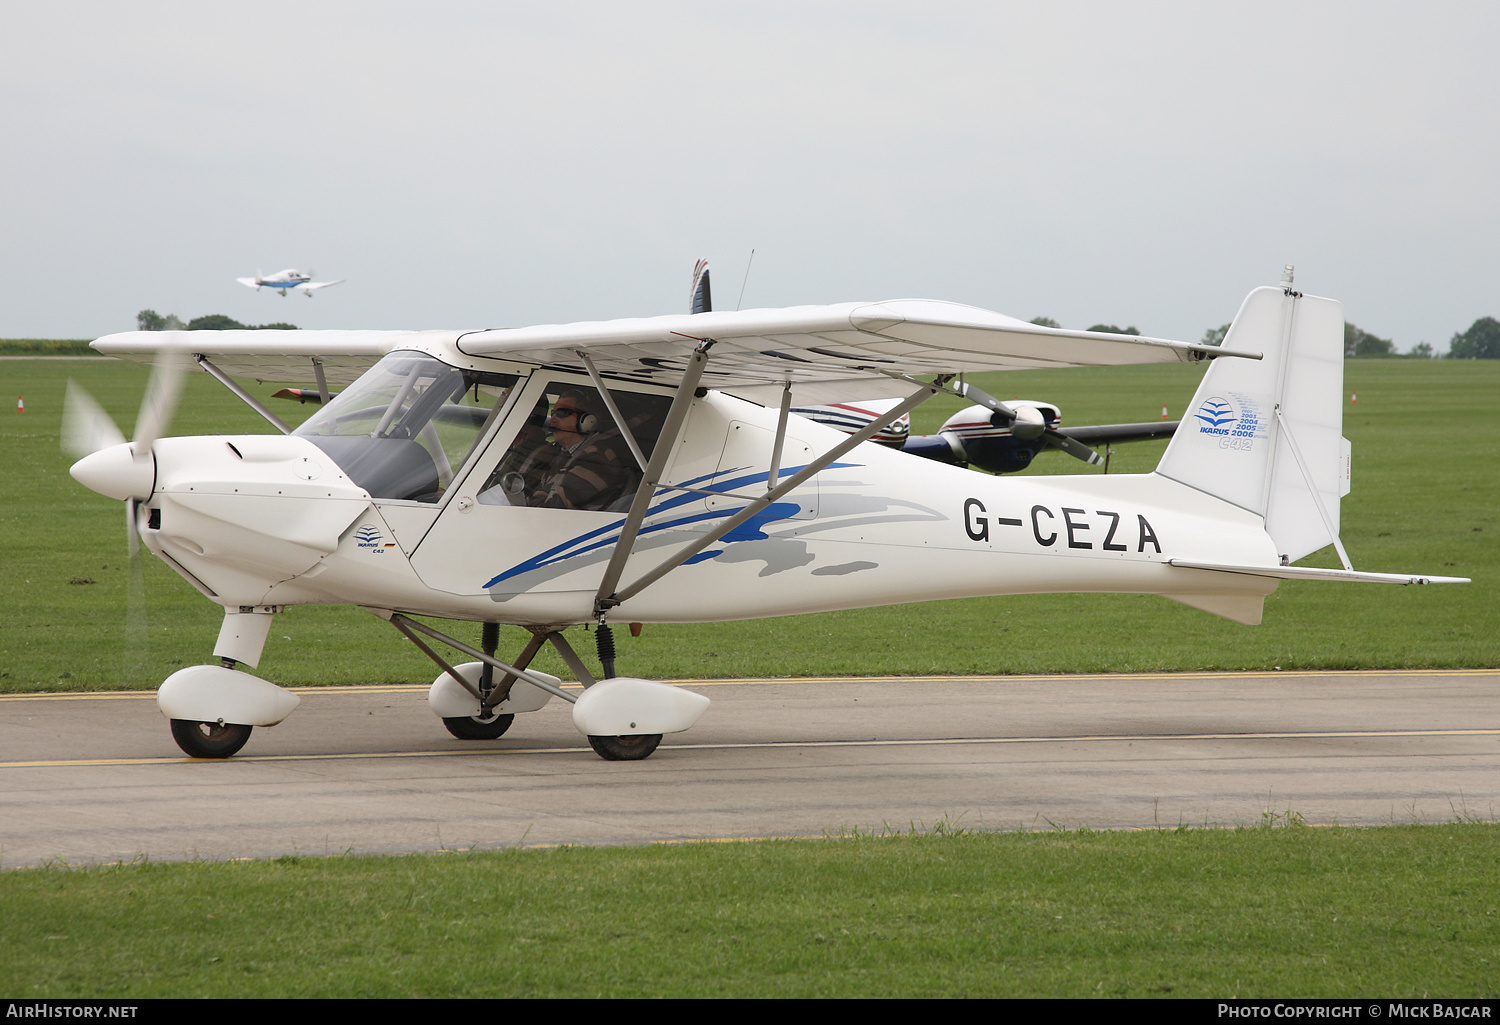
(86, 427)
(160, 401)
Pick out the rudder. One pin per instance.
(1266, 435)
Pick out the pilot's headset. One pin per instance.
(588, 420)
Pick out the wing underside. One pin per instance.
(825, 353)
(270, 355)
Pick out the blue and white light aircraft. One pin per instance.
(650, 471)
(287, 280)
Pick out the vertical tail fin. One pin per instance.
(700, 298)
(1266, 435)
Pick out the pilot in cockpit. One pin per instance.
(572, 458)
(593, 466)
(525, 463)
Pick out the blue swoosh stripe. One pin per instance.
(567, 550)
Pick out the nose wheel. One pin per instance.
(209, 739)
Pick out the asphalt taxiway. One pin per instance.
(91, 778)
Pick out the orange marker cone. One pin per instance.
(21, 404)
(1163, 412)
(1353, 398)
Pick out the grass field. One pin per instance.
(1399, 912)
(1426, 496)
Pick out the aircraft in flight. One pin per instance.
(650, 471)
(287, 280)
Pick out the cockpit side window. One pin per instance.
(572, 454)
(405, 427)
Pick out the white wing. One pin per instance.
(825, 352)
(307, 288)
(271, 355)
(248, 282)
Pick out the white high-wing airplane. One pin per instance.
(285, 280)
(649, 471)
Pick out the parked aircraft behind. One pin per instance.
(992, 435)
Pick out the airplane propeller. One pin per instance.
(124, 469)
(1027, 424)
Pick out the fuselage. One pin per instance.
(283, 280)
(311, 518)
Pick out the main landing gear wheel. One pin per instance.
(471, 727)
(625, 749)
(209, 739)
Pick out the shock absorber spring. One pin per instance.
(604, 641)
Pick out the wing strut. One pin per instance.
(614, 411)
(666, 442)
(406, 626)
(242, 394)
(791, 483)
(323, 396)
(786, 408)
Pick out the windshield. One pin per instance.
(404, 428)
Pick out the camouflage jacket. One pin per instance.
(593, 475)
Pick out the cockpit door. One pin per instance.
(538, 512)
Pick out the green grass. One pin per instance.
(46, 347)
(1426, 498)
(1401, 911)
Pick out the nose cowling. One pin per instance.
(115, 472)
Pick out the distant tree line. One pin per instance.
(150, 320)
(1109, 328)
(1481, 341)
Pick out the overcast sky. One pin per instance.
(483, 164)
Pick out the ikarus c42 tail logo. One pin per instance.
(1234, 419)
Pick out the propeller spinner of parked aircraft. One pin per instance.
(287, 280)
(650, 470)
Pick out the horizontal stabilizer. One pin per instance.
(1313, 573)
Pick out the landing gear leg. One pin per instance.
(221, 691)
(489, 725)
(618, 749)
